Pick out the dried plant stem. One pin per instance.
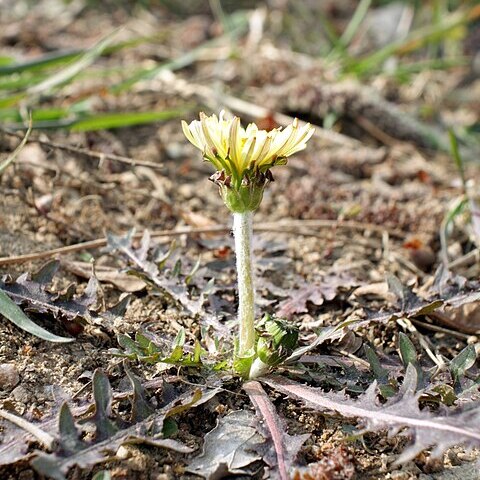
(286, 227)
(242, 231)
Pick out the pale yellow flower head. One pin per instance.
(243, 156)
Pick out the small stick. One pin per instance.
(465, 260)
(84, 151)
(281, 227)
(436, 328)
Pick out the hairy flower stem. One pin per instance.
(242, 231)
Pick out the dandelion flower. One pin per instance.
(243, 157)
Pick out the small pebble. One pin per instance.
(20, 394)
(26, 475)
(9, 376)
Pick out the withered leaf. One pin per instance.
(451, 304)
(160, 270)
(229, 448)
(69, 448)
(402, 411)
(121, 280)
(30, 292)
(326, 290)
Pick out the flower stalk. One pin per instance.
(242, 232)
(243, 159)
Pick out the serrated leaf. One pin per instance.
(327, 290)
(153, 271)
(118, 310)
(44, 275)
(325, 334)
(29, 290)
(47, 440)
(91, 451)
(14, 314)
(426, 429)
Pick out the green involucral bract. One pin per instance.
(245, 199)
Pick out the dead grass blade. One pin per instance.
(11, 158)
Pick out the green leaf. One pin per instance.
(10, 310)
(408, 352)
(102, 395)
(131, 346)
(103, 475)
(178, 343)
(379, 372)
(69, 434)
(242, 365)
(38, 63)
(169, 428)
(462, 362)
(197, 353)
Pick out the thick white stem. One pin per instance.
(242, 231)
(258, 369)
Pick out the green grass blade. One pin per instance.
(11, 100)
(403, 71)
(123, 119)
(355, 22)
(8, 66)
(4, 60)
(19, 82)
(38, 63)
(239, 24)
(65, 75)
(11, 311)
(457, 209)
(415, 40)
(40, 115)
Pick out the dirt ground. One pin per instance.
(380, 189)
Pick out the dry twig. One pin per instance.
(85, 151)
(280, 227)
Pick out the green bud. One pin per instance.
(277, 340)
